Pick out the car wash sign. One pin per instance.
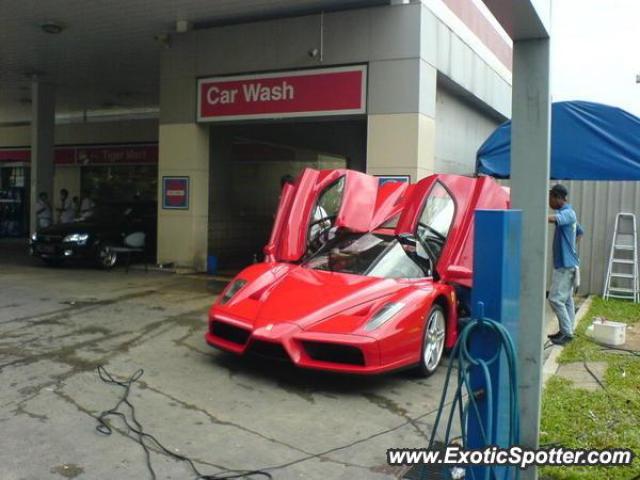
(301, 93)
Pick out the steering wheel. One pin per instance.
(322, 236)
(441, 238)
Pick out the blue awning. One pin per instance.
(589, 141)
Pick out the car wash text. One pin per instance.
(252, 92)
(317, 92)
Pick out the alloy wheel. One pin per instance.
(107, 258)
(434, 336)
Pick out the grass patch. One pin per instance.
(616, 310)
(577, 418)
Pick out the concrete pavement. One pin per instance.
(57, 325)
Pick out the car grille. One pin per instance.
(229, 332)
(269, 349)
(50, 238)
(334, 353)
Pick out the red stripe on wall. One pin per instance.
(90, 155)
(14, 155)
(473, 18)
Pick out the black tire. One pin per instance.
(105, 257)
(433, 340)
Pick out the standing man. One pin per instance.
(43, 211)
(66, 212)
(565, 263)
(87, 206)
(75, 202)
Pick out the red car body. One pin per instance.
(308, 308)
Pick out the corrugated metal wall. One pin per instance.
(596, 205)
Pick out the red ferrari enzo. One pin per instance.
(358, 277)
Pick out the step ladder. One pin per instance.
(622, 273)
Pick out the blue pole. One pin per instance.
(495, 295)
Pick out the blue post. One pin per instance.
(495, 295)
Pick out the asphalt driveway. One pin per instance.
(57, 325)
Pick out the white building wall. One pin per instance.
(460, 130)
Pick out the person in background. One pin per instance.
(87, 206)
(65, 210)
(44, 214)
(75, 203)
(565, 263)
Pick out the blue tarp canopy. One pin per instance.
(589, 141)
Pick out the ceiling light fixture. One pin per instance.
(52, 27)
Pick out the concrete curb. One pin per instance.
(550, 366)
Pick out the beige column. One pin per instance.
(400, 144)
(400, 125)
(182, 234)
(43, 110)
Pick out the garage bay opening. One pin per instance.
(248, 163)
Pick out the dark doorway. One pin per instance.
(247, 163)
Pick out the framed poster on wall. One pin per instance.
(175, 193)
(382, 179)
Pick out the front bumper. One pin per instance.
(352, 354)
(59, 250)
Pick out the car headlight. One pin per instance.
(34, 237)
(383, 315)
(79, 238)
(232, 290)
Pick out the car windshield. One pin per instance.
(120, 213)
(103, 215)
(370, 254)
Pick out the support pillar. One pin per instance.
(530, 139)
(401, 107)
(401, 144)
(495, 295)
(183, 233)
(42, 145)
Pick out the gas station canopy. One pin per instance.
(589, 141)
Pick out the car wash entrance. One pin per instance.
(267, 127)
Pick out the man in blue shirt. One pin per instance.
(565, 263)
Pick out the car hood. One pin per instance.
(305, 297)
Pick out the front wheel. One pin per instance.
(106, 257)
(433, 338)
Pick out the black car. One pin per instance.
(93, 239)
